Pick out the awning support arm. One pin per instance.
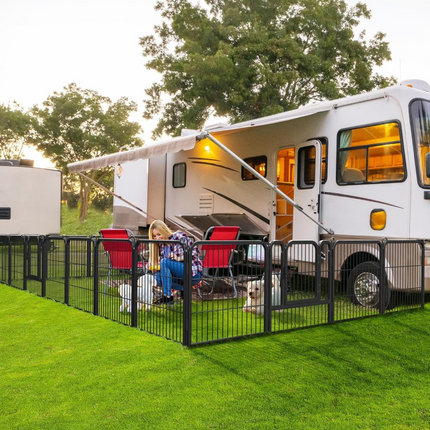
(206, 135)
(112, 193)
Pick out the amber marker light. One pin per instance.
(378, 219)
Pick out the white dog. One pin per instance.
(255, 301)
(144, 293)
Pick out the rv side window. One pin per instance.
(420, 120)
(370, 154)
(324, 142)
(179, 175)
(306, 170)
(258, 163)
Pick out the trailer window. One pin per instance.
(370, 154)
(306, 174)
(179, 175)
(420, 120)
(258, 163)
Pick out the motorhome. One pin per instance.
(353, 168)
(30, 199)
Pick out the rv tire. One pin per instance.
(364, 285)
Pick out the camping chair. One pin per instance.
(119, 252)
(219, 256)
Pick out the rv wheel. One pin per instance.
(364, 285)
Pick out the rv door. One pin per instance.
(307, 190)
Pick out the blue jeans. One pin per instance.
(171, 275)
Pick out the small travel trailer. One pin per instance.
(353, 168)
(30, 199)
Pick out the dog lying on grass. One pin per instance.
(255, 293)
(144, 293)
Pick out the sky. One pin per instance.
(47, 44)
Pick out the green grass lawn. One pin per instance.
(66, 369)
(96, 219)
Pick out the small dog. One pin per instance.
(144, 293)
(255, 301)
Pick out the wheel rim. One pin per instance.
(366, 289)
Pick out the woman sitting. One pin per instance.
(170, 259)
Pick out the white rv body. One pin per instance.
(30, 200)
(198, 187)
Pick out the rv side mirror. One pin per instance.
(428, 164)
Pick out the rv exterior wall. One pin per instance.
(34, 198)
(132, 185)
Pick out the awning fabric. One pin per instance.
(189, 141)
(144, 152)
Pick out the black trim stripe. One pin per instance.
(203, 158)
(215, 165)
(347, 196)
(256, 214)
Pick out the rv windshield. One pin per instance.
(420, 121)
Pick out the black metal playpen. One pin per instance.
(264, 288)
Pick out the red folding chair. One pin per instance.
(119, 252)
(219, 256)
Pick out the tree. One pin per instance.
(80, 124)
(252, 58)
(14, 129)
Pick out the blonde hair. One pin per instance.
(154, 248)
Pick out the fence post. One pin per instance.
(186, 316)
(383, 285)
(24, 261)
(133, 283)
(9, 274)
(96, 276)
(423, 275)
(66, 270)
(268, 289)
(331, 245)
(42, 249)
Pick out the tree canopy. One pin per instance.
(14, 129)
(80, 124)
(254, 58)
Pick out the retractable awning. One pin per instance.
(144, 152)
(186, 142)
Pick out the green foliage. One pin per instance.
(62, 368)
(254, 58)
(14, 129)
(80, 124)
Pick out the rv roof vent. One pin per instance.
(417, 84)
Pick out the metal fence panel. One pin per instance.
(260, 288)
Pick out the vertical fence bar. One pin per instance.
(423, 275)
(96, 276)
(383, 284)
(331, 284)
(89, 243)
(133, 283)
(268, 289)
(42, 240)
(186, 315)
(9, 270)
(66, 270)
(24, 263)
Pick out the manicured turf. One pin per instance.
(65, 369)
